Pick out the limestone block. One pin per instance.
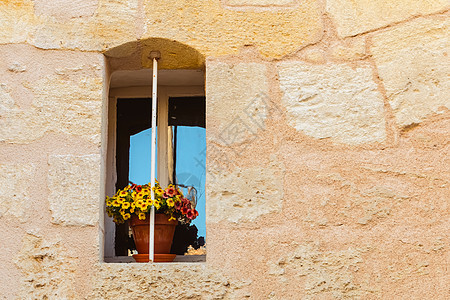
(67, 98)
(86, 25)
(15, 180)
(16, 19)
(232, 91)
(259, 2)
(244, 194)
(333, 101)
(412, 61)
(69, 105)
(349, 50)
(113, 24)
(98, 25)
(74, 184)
(153, 281)
(47, 271)
(354, 17)
(216, 30)
(64, 9)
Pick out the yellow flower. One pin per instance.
(126, 216)
(132, 210)
(157, 204)
(139, 203)
(126, 205)
(170, 203)
(144, 207)
(123, 193)
(116, 203)
(141, 216)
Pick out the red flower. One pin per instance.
(178, 205)
(184, 210)
(190, 214)
(171, 191)
(138, 188)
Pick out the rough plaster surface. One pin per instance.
(74, 195)
(333, 101)
(15, 180)
(354, 17)
(244, 195)
(235, 94)
(412, 61)
(330, 272)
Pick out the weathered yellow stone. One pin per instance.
(16, 20)
(349, 50)
(75, 186)
(15, 181)
(64, 9)
(174, 55)
(333, 101)
(354, 17)
(259, 2)
(275, 33)
(215, 30)
(412, 61)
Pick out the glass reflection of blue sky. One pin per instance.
(190, 163)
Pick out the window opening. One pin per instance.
(186, 121)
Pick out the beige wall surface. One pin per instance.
(328, 129)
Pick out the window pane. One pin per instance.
(140, 157)
(190, 166)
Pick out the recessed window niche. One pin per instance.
(180, 131)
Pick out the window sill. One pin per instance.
(178, 259)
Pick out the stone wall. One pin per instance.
(328, 157)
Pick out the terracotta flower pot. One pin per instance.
(164, 231)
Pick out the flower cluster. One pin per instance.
(136, 199)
